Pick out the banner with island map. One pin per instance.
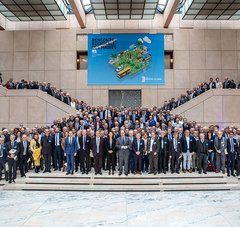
(126, 59)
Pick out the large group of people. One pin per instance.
(49, 89)
(123, 141)
(201, 88)
(80, 105)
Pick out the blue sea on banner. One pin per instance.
(126, 59)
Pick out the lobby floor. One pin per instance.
(32, 208)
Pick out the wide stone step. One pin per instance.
(57, 187)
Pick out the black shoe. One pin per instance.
(205, 172)
(67, 173)
(96, 173)
(223, 172)
(109, 173)
(45, 171)
(23, 175)
(126, 174)
(100, 173)
(49, 171)
(9, 181)
(199, 172)
(71, 173)
(178, 172)
(87, 173)
(164, 172)
(120, 173)
(233, 175)
(55, 169)
(155, 173)
(150, 173)
(112, 172)
(13, 181)
(60, 169)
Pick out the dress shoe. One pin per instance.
(190, 171)
(126, 174)
(112, 172)
(150, 173)
(23, 175)
(45, 171)
(155, 173)
(223, 172)
(10, 181)
(67, 173)
(96, 173)
(233, 175)
(120, 173)
(228, 175)
(100, 173)
(71, 173)
(49, 171)
(109, 173)
(205, 172)
(178, 172)
(87, 173)
(184, 171)
(164, 172)
(55, 169)
(199, 172)
(83, 172)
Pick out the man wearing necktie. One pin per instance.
(131, 159)
(138, 148)
(202, 153)
(123, 144)
(23, 148)
(232, 151)
(85, 143)
(2, 158)
(57, 152)
(12, 152)
(97, 149)
(70, 150)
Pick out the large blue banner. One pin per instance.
(125, 59)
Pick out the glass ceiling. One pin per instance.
(87, 5)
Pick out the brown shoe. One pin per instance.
(190, 170)
(184, 171)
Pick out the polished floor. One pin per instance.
(32, 208)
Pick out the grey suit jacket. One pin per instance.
(119, 143)
(223, 145)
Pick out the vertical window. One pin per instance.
(82, 60)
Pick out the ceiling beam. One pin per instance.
(79, 12)
(169, 12)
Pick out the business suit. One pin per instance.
(70, 149)
(123, 153)
(138, 146)
(153, 149)
(175, 149)
(57, 151)
(84, 154)
(3, 157)
(220, 147)
(23, 148)
(12, 159)
(202, 154)
(232, 148)
(163, 154)
(110, 146)
(47, 150)
(131, 160)
(187, 149)
(238, 160)
(97, 145)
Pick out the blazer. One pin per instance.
(223, 145)
(155, 146)
(107, 144)
(235, 146)
(184, 144)
(165, 145)
(94, 146)
(10, 147)
(47, 145)
(202, 148)
(171, 147)
(119, 143)
(4, 149)
(135, 146)
(70, 148)
(21, 149)
(87, 143)
(59, 138)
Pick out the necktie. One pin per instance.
(97, 145)
(84, 143)
(1, 152)
(138, 144)
(123, 141)
(232, 145)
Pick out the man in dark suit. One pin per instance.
(47, 150)
(153, 149)
(70, 150)
(123, 144)
(202, 153)
(175, 149)
(226, 83)
(232, 148)
(163, 153)
(23, 148)
(57, 152)
(138, 148)
(97, 145)
(212, 84)
(187, 149)
(12, 154)
(131, 160)
(84, 155)
(3, 154)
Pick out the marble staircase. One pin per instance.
(58, 181)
